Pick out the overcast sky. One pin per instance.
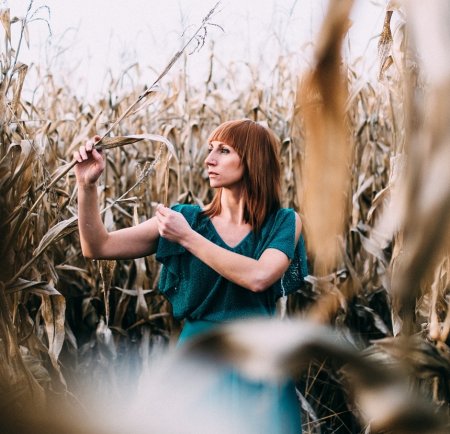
(93, 37)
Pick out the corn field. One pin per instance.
(366, 164)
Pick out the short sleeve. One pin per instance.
(294, 277)
(282, 233)
(281, 236)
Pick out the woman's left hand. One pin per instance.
(171, 224)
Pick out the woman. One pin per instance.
(232, 260)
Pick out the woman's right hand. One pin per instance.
(90, 163)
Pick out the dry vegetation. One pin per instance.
(366, 164)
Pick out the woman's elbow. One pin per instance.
(260, 284)
(95, 249)
(89, 253)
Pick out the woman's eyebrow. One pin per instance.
(219, 144)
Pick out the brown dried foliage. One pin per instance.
(364, 163)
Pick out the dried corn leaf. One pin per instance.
(53, 312)
(23, 285)
(3, 104)
(6, 22)
(67, 267)
(83, 134)
(107, 268)
(440, 284)
(427, 179)
(52, 236)
(17, 159)
(114, 142)
(141, 279)
(55, 233)
(105, 340)
(14, 370)
(372, 247)
(321, 99)
(385, 45)
(21, 70)
(134, 292)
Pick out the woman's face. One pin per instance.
(224, 165)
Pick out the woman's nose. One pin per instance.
(210, 161)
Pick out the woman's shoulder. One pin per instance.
(283, 214)
(284, 219)
(186, 207)
(189, 211)
(288, 213)
(285, 211)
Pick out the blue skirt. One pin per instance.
(260, 407)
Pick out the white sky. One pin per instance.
(93, 37)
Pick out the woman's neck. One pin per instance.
(232, 204)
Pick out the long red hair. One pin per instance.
(258, 148)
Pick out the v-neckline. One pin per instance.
(222, 240)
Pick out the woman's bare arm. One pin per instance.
(96, 241)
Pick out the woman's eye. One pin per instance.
(225, 151)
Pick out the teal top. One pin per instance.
(197, 292)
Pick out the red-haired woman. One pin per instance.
(231, 260)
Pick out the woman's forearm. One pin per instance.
(97, 243)
(255, 275)
(92, 231)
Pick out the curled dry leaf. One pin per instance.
(114, 142)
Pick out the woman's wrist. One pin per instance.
(87, 185)
(188, 239)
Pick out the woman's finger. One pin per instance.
(77, 156)
(161, 209)
(83, 153)
(97, 156)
